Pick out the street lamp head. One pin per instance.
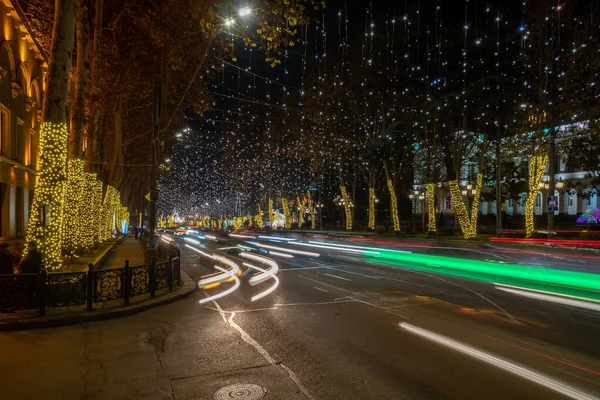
(541, 185)
(560, 184)
(229, 22)
(473, 192)
(421, 197)
(469, 186)
(416, 192)
(244, 11)
(546, 186)
(410, 196)
(464, 192)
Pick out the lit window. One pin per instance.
(538, 200)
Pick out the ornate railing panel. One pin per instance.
(66, 288)
(140, 280)
(108, 284)
(162, 274)
(176, 270)
(18, 291)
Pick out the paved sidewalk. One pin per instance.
(129, 249)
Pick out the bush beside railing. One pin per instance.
(60, 289)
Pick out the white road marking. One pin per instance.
(322, 290)
(248, 339)
(508, 366)
(339, 277)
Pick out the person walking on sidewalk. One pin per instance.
(136, 232)
(32, 263)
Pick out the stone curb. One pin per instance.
(60, 320)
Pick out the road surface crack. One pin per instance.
(93, 369)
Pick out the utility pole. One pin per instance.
(153, 191)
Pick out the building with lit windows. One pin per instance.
(22, 70)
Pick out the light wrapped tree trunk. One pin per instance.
(347, 208)
(537, 166)
(47, 209)
(468, 224)
(371, 208)
(432, 223)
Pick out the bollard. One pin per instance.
(127, 282)
(41, 291)
(90, 287)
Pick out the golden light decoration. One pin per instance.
(468, 223)
(394, 205)
(347, 208)
(73, 227)
(47, 209)
(372, 208)
(537, 166)
(432, 224)
(300, 212)
(286, 213)
(258, 219)
(270, 212)
(313, 222)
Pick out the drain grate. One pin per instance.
(241, 391)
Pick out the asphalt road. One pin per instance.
(338, 326)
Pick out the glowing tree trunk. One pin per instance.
(270, 212)
(347, 208)
(431, 226)
(300, 212)
(371, 208)
(393, 198)
(47, 209)
(311, 208)
(286, 213)
(537, 166)
(468, 224)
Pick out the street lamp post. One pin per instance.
(422, 198)
(414, 196)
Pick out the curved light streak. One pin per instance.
(272, 271)
(508, 366)
(199, 251)
(227, 292)
(270, 274)
(305, 253)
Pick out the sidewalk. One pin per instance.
(129, 249)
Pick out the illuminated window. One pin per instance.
(538, 200)
(570, 201)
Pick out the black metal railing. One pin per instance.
(59, 289)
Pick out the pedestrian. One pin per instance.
(6, 259)
(136, 232)
(32, 263)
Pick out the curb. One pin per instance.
(61, 320)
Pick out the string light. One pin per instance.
(371, 208)
(313, 221)
(286, 213)
(432, 225)
(270, 212)
(347, 208)
(394, 205)
(537, 166)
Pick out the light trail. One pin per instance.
(276, 238)
(360, 247)
(263, 272)
(224, 293)
(275, 253)
(211, 237)
(505, 365)
(325, 246)
(272, 271)
(233, 272)
(237, 235)
(305, 253)
(199, 251)
(567, 300)
(194, 241)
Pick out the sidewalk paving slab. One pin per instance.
(129, 249)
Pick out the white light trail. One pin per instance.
(276, 238)
(211, 237)
(199, 251)
(327, 246)
(305, 253)
(268, 273)
(567, 300)
(194, 241)
(263, 272)
(360, 247)
(236, 285)
(166, 239)
(237, 235)
(508, 366)
(275, 253)
(234, 271)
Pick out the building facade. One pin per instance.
(23, 67)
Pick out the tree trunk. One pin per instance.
(49, 190)
(346, 200)
(93, 120)
(117, 145)
(372, 174)
(393, 198)
(81, 88)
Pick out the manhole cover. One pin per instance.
(242, 391)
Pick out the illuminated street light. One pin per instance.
(469, 186)
(464, 192)
(229, 22)
(560, 184)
